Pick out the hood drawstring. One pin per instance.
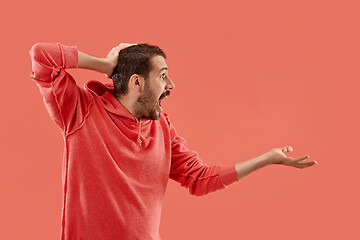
(138, 139)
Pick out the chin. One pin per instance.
(157, 116)
(154, 115)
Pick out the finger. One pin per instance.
(308, 162)
(116, 50)
(300, 158)
(124, 45)
(287, 149)
(112, 51)
(305, 164)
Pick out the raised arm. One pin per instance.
(66, 103)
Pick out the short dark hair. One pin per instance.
(133, 60)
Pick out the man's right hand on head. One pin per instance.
(113, 55)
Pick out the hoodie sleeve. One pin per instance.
(66, 103)
(188, 169)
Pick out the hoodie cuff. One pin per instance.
(70, 56)
(228, 175)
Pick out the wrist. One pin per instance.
(103, 65)
(94, 63)
(266, 159)
(107, 66)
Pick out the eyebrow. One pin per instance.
(164, 68)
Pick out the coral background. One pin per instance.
(249, 76)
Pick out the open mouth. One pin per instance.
(164, 95)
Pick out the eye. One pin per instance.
(163, 76)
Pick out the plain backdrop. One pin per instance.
(249, 76)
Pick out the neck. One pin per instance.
(128, 103)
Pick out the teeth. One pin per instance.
(159, 103)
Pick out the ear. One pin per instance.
(136, 83)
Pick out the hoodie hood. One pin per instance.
(105, 92)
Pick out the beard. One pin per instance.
(148, 104)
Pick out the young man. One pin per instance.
(120, 147)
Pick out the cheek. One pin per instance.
(158, 90)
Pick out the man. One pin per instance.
(120, 147)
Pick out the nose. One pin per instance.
(170, 84)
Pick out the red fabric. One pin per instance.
(115, 167)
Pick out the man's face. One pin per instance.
(157, 86)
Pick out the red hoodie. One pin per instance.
(115, 167)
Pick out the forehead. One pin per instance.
(157, 63)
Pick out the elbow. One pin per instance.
(36, 49)
(198, 194)
(43, 61)
(37, 52)
(197, 190)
